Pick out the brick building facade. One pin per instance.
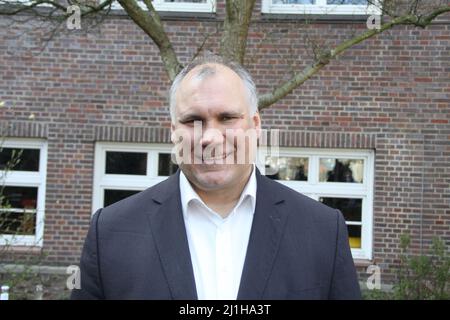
(384, 103)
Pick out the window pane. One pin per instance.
(341, 170)
(13, 217)
(17, 223)
(19, 197)
(293, 1)
(188, 1)
(126, 163)
(19, 159)
(165, 165)
(353, 2)
(354, 236)
(112, 196)
(350, 208)
(287, 168)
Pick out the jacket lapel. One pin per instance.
(265, 237)
(169, 234)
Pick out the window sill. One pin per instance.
(362, 263)
(20, 249)
(313, 18)
(38, 269)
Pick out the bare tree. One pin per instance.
(234, 32)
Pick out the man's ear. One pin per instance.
(257, 124)
(172, 130)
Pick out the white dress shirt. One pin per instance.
(217, 245)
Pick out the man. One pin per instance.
(217, 229)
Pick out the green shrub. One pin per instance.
(423, 277)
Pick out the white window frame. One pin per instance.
(104, 181)
(320, 8)
(315, 189)
(160, 5)
(16, 178)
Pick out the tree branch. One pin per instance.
(51, 15)
(9, 9)
(235, 29)
(100, 7)
(151, 24)
(325, 57)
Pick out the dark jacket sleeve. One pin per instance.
(91, 285)
(344, 284)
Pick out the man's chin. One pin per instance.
(213, 176)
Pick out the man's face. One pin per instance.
(216, 108)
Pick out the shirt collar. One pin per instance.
(188, 194)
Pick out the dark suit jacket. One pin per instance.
(137, 248)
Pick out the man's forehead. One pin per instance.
(215, 76)
(213, 107)
(209, 86)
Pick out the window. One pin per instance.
(341, 179)
(178, 5)
(123, 169)
(22, 191)
(126, 163)
(161, 5)
(328, 7)
(287, 168)
(185, 5)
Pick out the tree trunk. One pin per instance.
(235, 29)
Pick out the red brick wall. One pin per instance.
(390, 93)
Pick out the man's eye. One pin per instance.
(225, 118)
(189, 121)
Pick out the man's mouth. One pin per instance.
(217, 159)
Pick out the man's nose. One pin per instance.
(212, 134)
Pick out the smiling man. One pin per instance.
(217, 229)
(213, 100)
